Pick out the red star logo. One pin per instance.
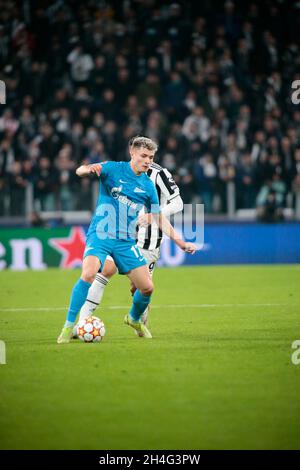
(71, 248)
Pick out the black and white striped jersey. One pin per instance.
(150, 237)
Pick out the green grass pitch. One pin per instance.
(217, 375)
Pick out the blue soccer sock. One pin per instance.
(78, 297)
(140, 303)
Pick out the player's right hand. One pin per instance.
(95, 168)
(190, 248)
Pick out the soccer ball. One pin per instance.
(91, 330)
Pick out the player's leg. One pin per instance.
(97, 288)
(96, 291)
(145, 314)
(90, 267)
(141, 279)
(151, 256)
(130, 261)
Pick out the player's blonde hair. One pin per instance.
(140, 141)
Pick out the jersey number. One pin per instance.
(136, 251)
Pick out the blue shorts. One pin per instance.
(125, 253)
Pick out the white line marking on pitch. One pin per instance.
(119, 307)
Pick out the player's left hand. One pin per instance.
(95, 168)
(190, 248)
(145, 219)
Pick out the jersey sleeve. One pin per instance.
(167, 184)
(173, 206)
(153, 202)
(107, 168)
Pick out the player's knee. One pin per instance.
(109, 269)
(147, 289)
(88, 275)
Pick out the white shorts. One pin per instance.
(151, 256)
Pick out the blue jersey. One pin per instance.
(121, 197)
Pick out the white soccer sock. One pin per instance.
(94, 296)
(145, 315)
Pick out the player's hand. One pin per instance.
(95, 169)
(145, 219)
(190, 248)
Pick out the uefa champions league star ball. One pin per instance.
(91, 330)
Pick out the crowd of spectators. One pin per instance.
(210, 81)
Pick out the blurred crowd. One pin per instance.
(210, 82)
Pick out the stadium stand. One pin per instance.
(210, 81)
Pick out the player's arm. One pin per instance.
(167, 228)
(169, 188)
(86, 170)
(155, 212)
(173, 206)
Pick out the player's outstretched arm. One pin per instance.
(167, 228)
(85, 170)
(174, 206)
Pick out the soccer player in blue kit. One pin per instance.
(124, 190)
